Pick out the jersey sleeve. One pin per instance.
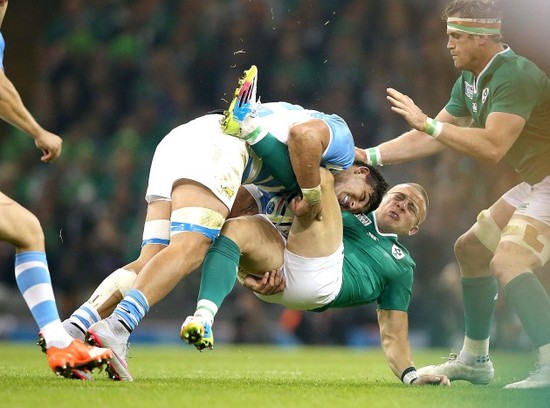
(340, 153)
(397, 293)
(456, 105)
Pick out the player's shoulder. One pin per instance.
(518, 67)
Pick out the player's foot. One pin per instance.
(75, 372)
(240, 119)
(101, 334)
(77, 360)
(540, 378)
(198, 333)
(455, 369)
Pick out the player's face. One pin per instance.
(401, 210)
(352, 189)
(464, 50)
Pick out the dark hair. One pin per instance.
(474, 9)
(378, 183)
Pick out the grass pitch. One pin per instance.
(255, 376)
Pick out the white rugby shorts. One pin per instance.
(531, 200)
(310, 282)
(199, 151)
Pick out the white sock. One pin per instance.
(474, 351)
(544, 354)
(206, 310)
(55, 335)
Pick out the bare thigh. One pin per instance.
(260, 243)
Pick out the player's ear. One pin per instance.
(413, 230)
(362, 170)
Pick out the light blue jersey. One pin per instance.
(278, 118)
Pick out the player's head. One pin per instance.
(474, 17)
(360, 188)
(403, 209)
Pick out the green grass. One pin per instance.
(254, 376)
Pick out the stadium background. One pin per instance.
(113, 76)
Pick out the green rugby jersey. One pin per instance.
(377, 268)
(510, 84)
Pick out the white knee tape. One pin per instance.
(487, 231)
(197, 219)
(520, 232)
(120, 280)
(156, 232)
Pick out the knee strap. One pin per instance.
(197, 219)
(487, 230)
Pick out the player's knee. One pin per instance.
(463, 246)
(236, 230)
(472, 256)
(31, 235)
(505, 265)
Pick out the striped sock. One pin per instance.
(132, 309)
(85, 316)
(34, 283)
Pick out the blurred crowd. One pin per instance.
(114, 76)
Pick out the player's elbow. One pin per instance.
(492, 155)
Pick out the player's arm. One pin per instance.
(489, 144)
(306, 143)
(411, 145)
(14, 112)
(394, 336)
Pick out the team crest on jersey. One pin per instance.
(397, 252)
(469, 90)
(484, 95)
(363, 219)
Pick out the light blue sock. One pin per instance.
(34, 283)
(132, 309)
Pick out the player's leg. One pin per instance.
(234, 247)
(192, 230)
(202, 175)
(524, 248)
(102, 302)
(243, 120)
(21, 228)
(474, 250)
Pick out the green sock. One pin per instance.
(526, 295)
(219, 270)
(275, 157)
(480, 298)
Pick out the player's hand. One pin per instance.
(303, 210)
(442, 380)
(360, 155)
(269, 284)
(50, 145)
(405, 106)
